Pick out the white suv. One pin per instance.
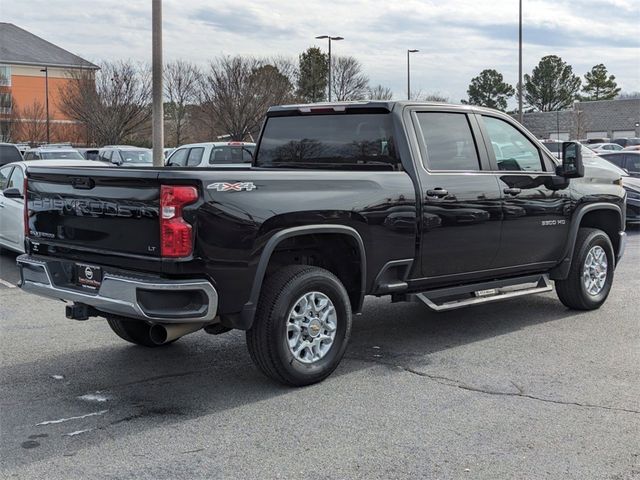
(212, 154)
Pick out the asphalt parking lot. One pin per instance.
(522, 389)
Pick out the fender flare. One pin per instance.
(561, 271)
(249, 309)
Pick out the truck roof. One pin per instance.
(374, 105)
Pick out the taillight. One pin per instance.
(175, 234)
(26, 208)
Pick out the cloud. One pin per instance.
(456, 38)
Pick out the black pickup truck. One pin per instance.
(447, 205)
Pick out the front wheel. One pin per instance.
(302, 325)
(591, 275)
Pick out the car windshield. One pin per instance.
(136, 156)
(590, 159)
(61, 155)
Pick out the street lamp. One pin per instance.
(46, 96)
(520, 87)
(409, 73)
(322, 37)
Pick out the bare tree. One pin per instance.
(432, 97)
(236, 92)
(348, 82)
(31, 123)
(380, 93)
(113, 103)
(180, 90)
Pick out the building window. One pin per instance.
(5, 76)
(5, 103)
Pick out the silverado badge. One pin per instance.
(231, 187)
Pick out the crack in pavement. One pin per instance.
(450, 382)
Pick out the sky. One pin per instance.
(457, 38)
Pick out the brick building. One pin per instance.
(597, 119)
(26, 61)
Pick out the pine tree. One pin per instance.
(599, 85)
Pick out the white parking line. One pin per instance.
(7, 284)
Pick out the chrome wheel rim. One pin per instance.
(311, 327)
(594, 272)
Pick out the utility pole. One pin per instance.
(322, 37)
(520, 86)
(409, 73)
(46, 99)
(157, 113)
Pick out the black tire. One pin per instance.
(572, 291)
(267, 339)
(134, 331)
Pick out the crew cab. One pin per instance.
(448, 205)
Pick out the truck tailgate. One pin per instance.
(100, 209)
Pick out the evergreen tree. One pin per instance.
(313, 75)
(488, 89)
(599, 85)
(552, 85)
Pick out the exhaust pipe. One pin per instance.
(161, 333)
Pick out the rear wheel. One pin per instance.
(591, 275)
(302, 325)
(134, 331)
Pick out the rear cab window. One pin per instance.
(335, 141)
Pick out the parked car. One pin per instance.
(12, 198)
(212, 154)
(9, 153)
(628, 160)
(605, 147)
(90, 153)
(630, 183)
(126, 156)
(627, 142)
(288, 249)
(53, 152)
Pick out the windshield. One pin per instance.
(136, 156)
(590, 159)
(329, 141)
(63, 155)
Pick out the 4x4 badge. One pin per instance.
(231, 187)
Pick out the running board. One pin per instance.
(467, 295)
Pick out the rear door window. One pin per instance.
(448, 141)
(195, 156)
(633, 163)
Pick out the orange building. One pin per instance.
(33, 72)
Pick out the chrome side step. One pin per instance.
(457, 297)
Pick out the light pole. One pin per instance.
(157, 113)
(322, 37)
(46, 98)
(409, 52)
(520, 87)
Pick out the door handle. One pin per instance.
(512, 191)
(437, 192)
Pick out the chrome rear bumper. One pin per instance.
(133, 297)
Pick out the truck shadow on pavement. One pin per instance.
(203, 375)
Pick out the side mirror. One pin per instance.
(117, 162)
(12, 193)
(572, 166)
